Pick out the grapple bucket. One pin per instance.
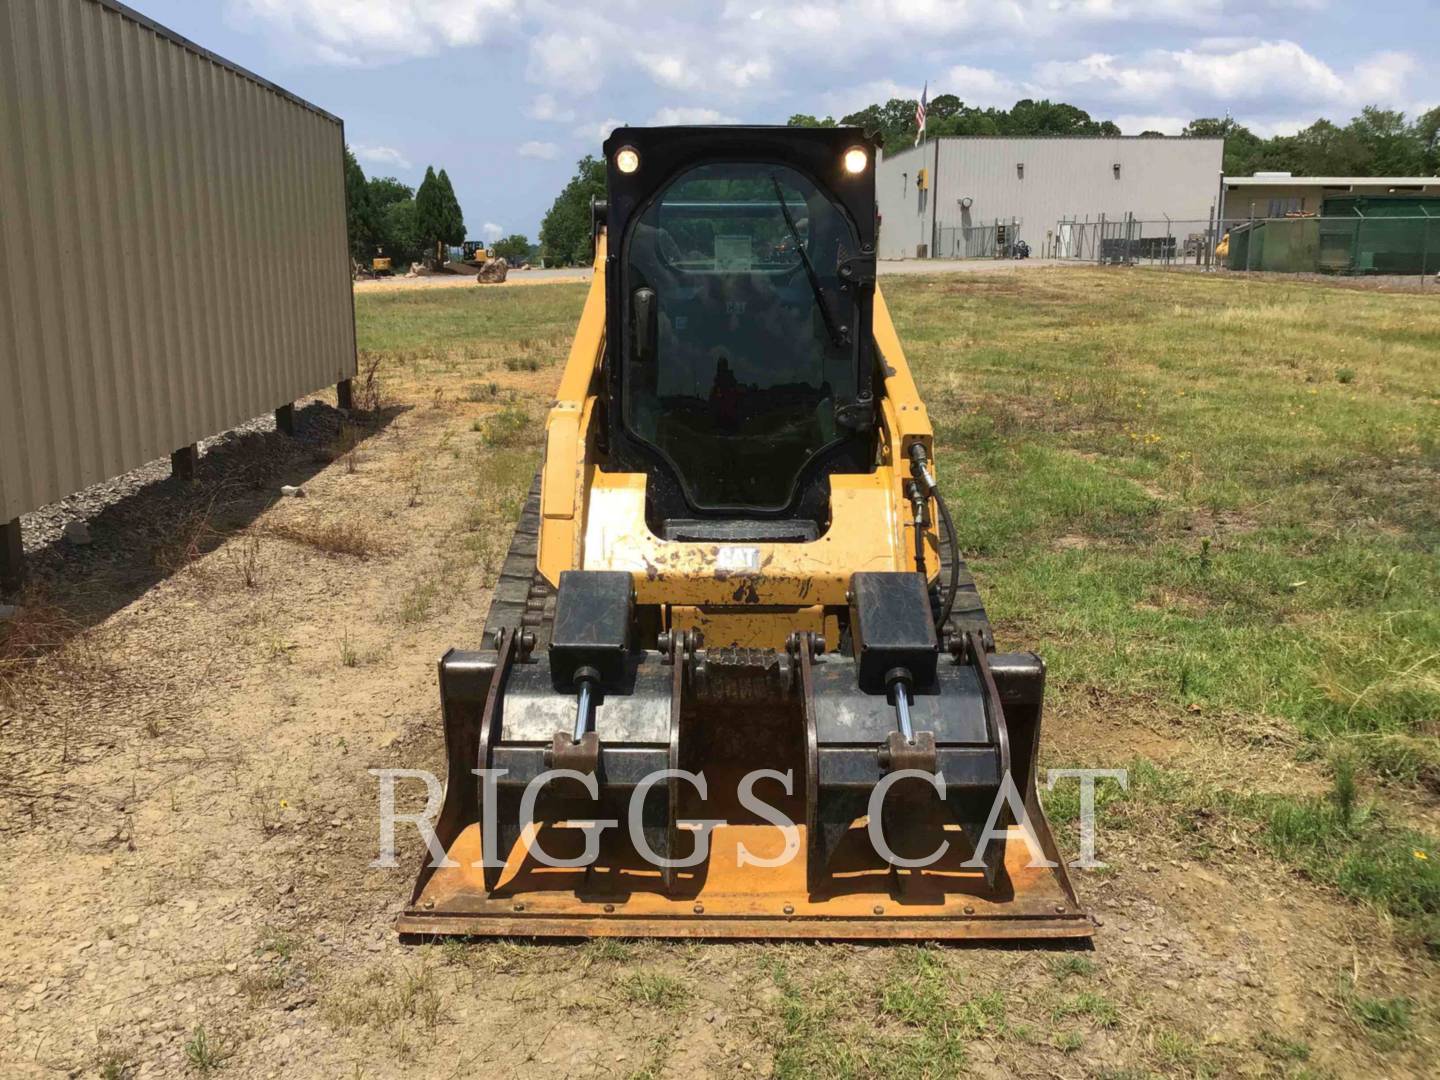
(724, 793)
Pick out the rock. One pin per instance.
(78, 533)
(291, 492)
(493, 272)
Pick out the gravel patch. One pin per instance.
(241, 457)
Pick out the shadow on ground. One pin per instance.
(145, 536)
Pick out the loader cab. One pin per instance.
(740, 282)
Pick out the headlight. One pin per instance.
(627, 159)
(856, 160)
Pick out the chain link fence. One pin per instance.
(1382, 245)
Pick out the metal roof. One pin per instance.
(1332, 181)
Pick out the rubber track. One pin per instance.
(969, 610)
(524, 598)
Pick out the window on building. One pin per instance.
(1289, 204)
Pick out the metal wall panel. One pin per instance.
(1064, 177)
(174, 236)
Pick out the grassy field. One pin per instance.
(1214, 506)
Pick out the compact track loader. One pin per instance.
(735, 680)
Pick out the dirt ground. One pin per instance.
(189, 821)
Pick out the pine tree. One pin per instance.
(430, 223)
(453, 218)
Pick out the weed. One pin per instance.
(370, 398)
(522, 363)
(1066, 967)
(1181, 1054)
(188, 538)
(1387, 1019)
(656, 990)
(418, 602)
(348, 656)
(606, 951)
(1344, 792)
(265, 810)
(244, 555)
(1099, 1009)
(116, 1065)
(393, 1001)
(204, 1053)
(510, 426)
(279, 942)
(1067, 1042)
(1345, 375)
(36, 631)
(347, 537)
(1281, 1048)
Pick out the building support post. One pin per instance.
(1424, 249)
(12, 557)
(184, 461)
(1250, 240)
(345, 394)
(285, 419)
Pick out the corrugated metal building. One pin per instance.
(174, 234)
(1027, 185)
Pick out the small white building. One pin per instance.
(964, 196)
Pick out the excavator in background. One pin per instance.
(736, 680)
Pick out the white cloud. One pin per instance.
(681, 116)
(546, 108)
(385, 156)
(979, 86)
(574, 60)
(352, 32)
(491, 231)
(597, 133)
(544, 151)
(1268, 74)
(1131, 124)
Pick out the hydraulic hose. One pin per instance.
(920, 470)
(954, 587)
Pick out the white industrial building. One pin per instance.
(966, 196)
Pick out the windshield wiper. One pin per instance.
(830, 328)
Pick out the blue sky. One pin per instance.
(508, 94)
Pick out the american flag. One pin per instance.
(920, 113)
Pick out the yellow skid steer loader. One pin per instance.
(736, 681)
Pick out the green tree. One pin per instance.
(805, 120)
(1391, 146)
(892, 124)
(565, 229)
(430, 214)
(452, 218)
(386, 190)
(361, 221)
(1243, 148)
(400, 233)
(515, 248)
(1427, 130)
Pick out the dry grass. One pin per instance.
(38, 630)
(348, 537)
